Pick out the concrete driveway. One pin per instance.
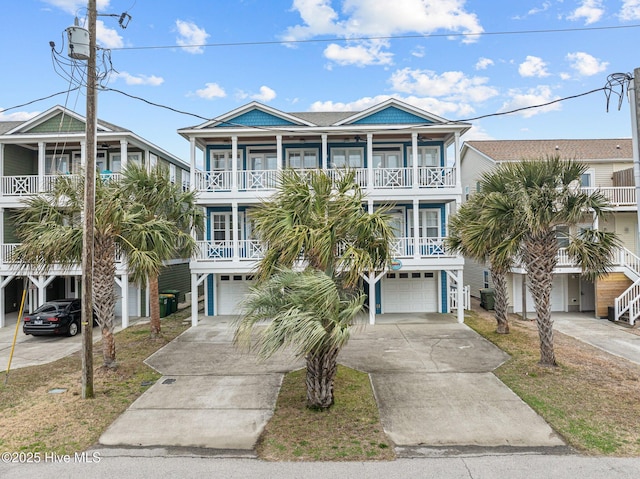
(431, 377)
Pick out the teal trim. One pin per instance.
(391, 115)
(256, 118)
(210, 298)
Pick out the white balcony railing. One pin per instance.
(34, 184)
(617, 195)
(6, 253)
(253, 250)
(381, 178)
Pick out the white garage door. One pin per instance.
(410, 293)
(557, 295)
(231, 291)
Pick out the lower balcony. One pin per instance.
(253, 250)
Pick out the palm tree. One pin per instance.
(475, 238)
(531, 200)
(153, 196)
(50, 229)
(319, 241)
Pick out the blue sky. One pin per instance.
(336, 59)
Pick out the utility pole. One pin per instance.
(634, 97)
(89, 211)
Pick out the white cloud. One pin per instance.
(151, 80)
(211, 91)
(483, 63)
(74, 6)
(590, 10)
(533, 67)
(418, 52)
(107, 37)
(565, 76)
(585, 64)
(266, 94)
(630, 10)
(362, 54)
(191, 34)
(531, 97)
(17, 116)
(477, 133)
(377, 17)
(452, 85)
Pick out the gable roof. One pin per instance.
(31, 125)
(392, 111)
(516, 150)
(255, 114)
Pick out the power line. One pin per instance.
(39, 99)
(386, 37)
(606, 89)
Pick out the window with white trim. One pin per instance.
(346, 157)
(56, 164)
(301, 159)
(427, 156)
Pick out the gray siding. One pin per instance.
(175, 276)
(19, 161)
(54, 125)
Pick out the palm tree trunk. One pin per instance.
(154, 307)
(540, 258)
(321, 372)
(104, 303)
(501, 301)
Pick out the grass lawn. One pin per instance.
(592, 398)
(35, 420)
(349, 431)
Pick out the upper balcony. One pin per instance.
(374, 180)
(622, 198)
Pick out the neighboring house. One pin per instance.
(32, 154)
(610, 169)
(246, 149)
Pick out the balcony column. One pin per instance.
(83, 155)
(461, 297)
(369, 161)
(5, 254)
(234, 163)
(1, 159)
(123, 282)
(124, 154)
(596, 222)
(234, 231)
(414, 160)
(416, 228)
(42, 153)
(194, 299)
(279, 152)
(192, 163)
(325, 152)
(457, 161)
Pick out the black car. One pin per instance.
(61, 316)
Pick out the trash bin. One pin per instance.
(611, 313)
(163, 300)
(487, 300)
(174, 302)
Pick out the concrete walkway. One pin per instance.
(35, 350)
(611, 337)
(431, 377)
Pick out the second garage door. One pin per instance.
(410, 292)
(232, 289)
